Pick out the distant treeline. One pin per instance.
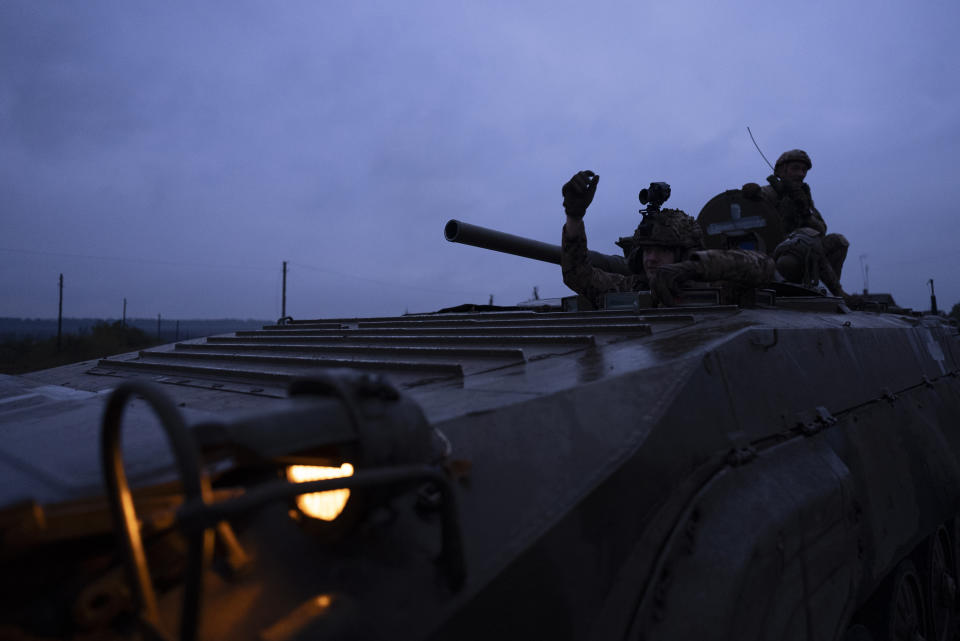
(21, 355)
(41, 328)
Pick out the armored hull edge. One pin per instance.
(739, 514)
(711, 473)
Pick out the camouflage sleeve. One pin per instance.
(815, 220)
(795, 207)
(798, 208)
(585, 279)
(742, 266)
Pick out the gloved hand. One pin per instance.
(751, 191)
(666, 280)
(799, 191)
(796, 193)
(578, 193)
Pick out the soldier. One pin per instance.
(668, 252)
(787, 192)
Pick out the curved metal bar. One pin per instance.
(197, 515)
(196, 488)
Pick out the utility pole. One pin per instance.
(933, 298)
(124, 322)
(283, 305)
(60, 316)
(865, 272)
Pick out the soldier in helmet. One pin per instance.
(806, 230)
(668, 252)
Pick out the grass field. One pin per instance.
(21, 355)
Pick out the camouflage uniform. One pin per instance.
(585, 279)
(739, 266)
(795, 206)
(801, 258)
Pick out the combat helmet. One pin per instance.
(798, 155)
(670, 228)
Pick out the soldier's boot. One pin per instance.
(830, 279)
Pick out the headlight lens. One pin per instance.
(321, 505)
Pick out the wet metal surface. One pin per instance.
(518, 340)
(252, 361)
(412, 351)
(510, 315)
(472, 366)
(49, 446)
(595, 318)
(485, 329)
(562, 418)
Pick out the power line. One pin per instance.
(130, 260)
(331, 272)
(387, 283)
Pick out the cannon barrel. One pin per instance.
(460, 232)
(457, 231)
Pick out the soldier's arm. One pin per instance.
(580, 275)
(806, 214)
(816, 221)
(741, 266)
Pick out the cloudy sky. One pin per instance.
(177, 153)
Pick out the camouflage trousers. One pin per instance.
(804, 258)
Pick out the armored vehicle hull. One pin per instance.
(787, 471)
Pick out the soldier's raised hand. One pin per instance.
(578, 193)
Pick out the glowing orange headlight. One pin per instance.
(321, 505)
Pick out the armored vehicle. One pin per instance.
(772, 467)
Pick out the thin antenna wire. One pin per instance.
(761, 153)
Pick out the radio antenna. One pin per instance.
(761, 153)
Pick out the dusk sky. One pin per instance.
(177, 153)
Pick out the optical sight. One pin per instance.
(654, 196)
